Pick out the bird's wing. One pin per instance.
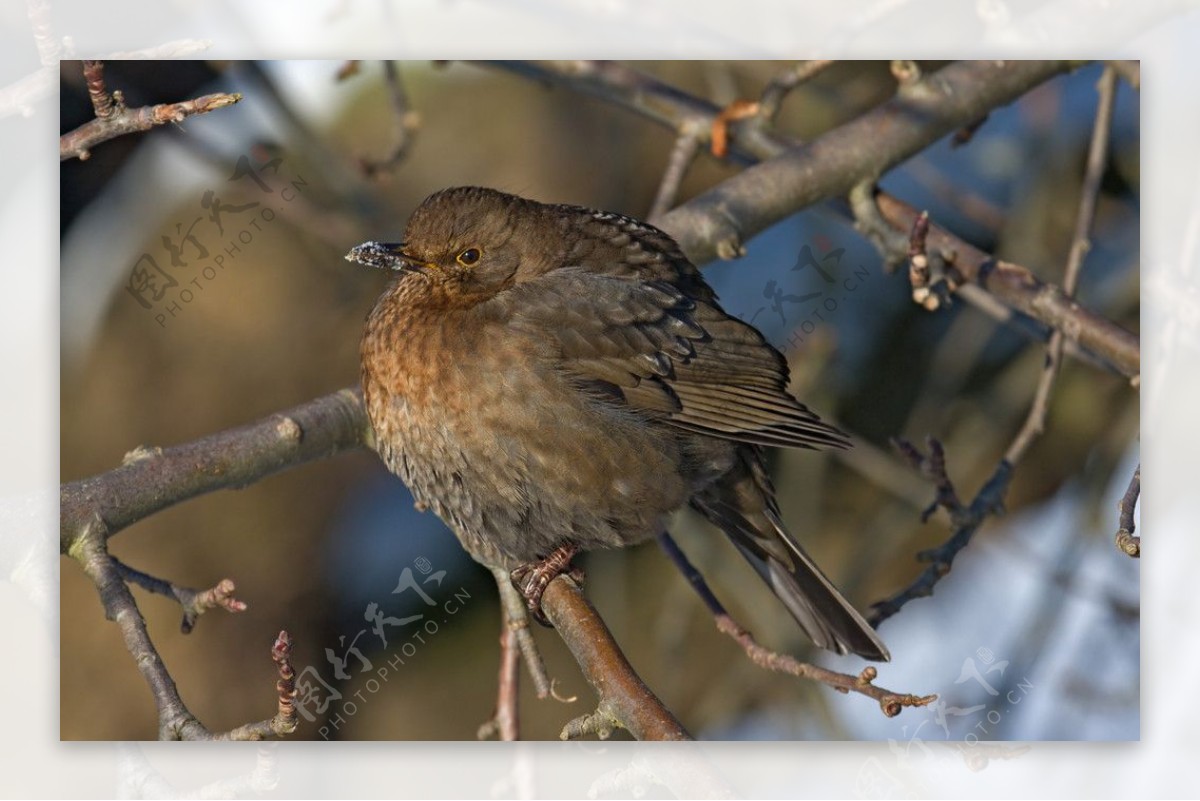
(651, 347)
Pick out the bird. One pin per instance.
(551, 379)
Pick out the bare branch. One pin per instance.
(102, 101)
(504, 722)
(1130, 72)
(515, 617)
(827, 167)
(175, 722)
(624, 698)
(113, 119)
(682, 155)
(153, 480)
(891, 703)
(406, 123)
(285, 720)
(966, 520)
(990, 500)
(515, 641)
(784, 83)
(1025, 292)
(194, 602)
(96, 508)
(1130, 544)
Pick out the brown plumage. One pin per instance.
(545, 376)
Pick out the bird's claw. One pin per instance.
(532, 578)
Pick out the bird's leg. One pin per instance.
(532, 578)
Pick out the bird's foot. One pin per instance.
(532, 578)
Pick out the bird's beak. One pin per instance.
(383, 256)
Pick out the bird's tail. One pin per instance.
(742, 504)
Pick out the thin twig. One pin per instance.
(1081, 243)
(114, 119)
(1097, 156)
(405, 125)
(515, 618)
(780, 86)
(102, 102)
(194, 602)
(965, 520)
(891, 703)
(1127, 541)
(1130, 71)
(504, 723)
(682, 155)
(175, 721)
(285, 720)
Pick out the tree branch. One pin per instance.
(624, 698)
(1130, 544)
(406, 123)
(990, 500)
(1024, 291)
(784, 83)
(682, 155)
(152, 480)
(285, 720)
(504, 722)
(720, 220)
(114, 119)
(194, 602)
(175, 722)
(752, 141)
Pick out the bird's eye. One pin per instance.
(469, 256)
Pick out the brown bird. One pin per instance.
(551, 378)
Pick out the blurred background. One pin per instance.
(282, 184)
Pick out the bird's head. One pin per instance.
(469, 240)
